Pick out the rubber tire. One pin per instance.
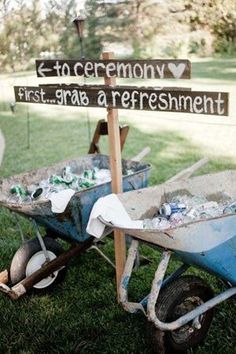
(23, 255)
(51, 234)
(170, 297)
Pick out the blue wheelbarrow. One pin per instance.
(179, 307)
(40, 263)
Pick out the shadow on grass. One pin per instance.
(82, 315)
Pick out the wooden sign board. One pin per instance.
(102, 87)
(131, 69)
(127, 97)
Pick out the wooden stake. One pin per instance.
(116, 175)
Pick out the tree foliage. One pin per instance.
(19, 37)
(218, 16)
(133, 22)
(30, 29)
(224, 26)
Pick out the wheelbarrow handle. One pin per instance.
(141, 154)
(27, 283)
(186, 173)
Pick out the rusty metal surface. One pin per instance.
(4, 277)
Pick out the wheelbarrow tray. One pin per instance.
(71, 224)
(211, 243)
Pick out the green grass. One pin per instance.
(219, 69)
(81, 315)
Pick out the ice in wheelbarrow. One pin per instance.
(58, 182)
(184, 209)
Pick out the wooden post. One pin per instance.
(116, 174)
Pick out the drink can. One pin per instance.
(90, 174)
(192, 214)
(167, 209)
(86, 184)
(18, 190)
(230, 209)
(176, 219)
(207, 205)
(67, 176)
(56, 180)
(37, 193)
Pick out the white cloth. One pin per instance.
(111, 210)
(60, 200)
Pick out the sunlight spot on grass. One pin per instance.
(171, 151)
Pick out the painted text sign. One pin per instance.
(131, 69)
(102, 87)
(126, 97)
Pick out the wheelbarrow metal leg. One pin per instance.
(102, 254)
(156, 284)
(21, 288)
(42, 244)
(19, 227)
(182, 269)
(131, 307)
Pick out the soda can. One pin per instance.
(67, 175)
(230, 209)
(90, 174)
(208, 205)
(56, 180)
(37, 193)
(167, 209)
(176, 219)
(86, 184)
(192, 214)
(18, 190)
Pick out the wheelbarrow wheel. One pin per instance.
(30, 257)
(180, 297)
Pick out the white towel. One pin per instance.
(60, 200)
(111, 210)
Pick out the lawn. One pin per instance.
(81, 315)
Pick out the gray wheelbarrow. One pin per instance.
(179, 307)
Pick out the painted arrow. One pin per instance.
(42, 70)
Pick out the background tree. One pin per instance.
(32, 29)
(217, 16)
(21, 29)
(224, 26)
(131, 22)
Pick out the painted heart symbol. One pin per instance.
(177, 70)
